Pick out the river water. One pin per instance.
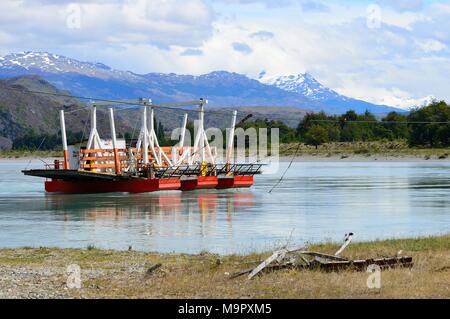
(316, 202)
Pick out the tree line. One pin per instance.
(428, 126)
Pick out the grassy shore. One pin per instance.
(41, 273)
(396, 150)
(14, 154)
(370, 150)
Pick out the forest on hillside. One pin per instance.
(428, 126)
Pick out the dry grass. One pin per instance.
(28, 272)
(394, 149)
(29, 154)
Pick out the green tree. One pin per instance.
(397, 124)
(316, 135)
(191, 128)
(287, 134)
(329, 123)
(429, 125)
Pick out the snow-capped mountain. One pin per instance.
(44, 62)
(221, 88)
(303, 83)
(407, 103)
(425, 101)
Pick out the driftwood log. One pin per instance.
(296, 258)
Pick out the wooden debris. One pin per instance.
(347, 241)
(278, 256)
(151, 269)
(361, 265)
(297, 258)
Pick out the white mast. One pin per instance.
(153, 138)
(183, 130)
(231, 140)
(64, 140)
(94, 141)
(178, 157)
(114, 142)
(150, 141)
(202, 133)
(145, 135)
(201, 143)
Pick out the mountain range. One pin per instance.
(23, 111)
(221, 88)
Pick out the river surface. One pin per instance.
(316, 202)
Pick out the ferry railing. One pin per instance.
(213, 170)
(57, 165)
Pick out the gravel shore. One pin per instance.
(43, 273)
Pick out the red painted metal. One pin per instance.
(166, 184)
(129, 186)
(234, 182)
(200, 182)
(225, 182)
(243, 181)
(207, 182)
(148, 185)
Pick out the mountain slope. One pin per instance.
(221, 88)
(304, 84)
(47, 63)
(22, 112)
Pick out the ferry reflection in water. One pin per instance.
(315, 202)
(189, 210)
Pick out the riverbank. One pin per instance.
(363, 151)
(25, 154)
(357, 151)
(41, 273)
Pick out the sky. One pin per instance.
(387, 52)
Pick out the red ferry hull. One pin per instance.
(235, 182)
(129, 186)
(201, 182)
(148, 185)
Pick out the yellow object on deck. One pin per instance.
(204, 169)
(91, 166)
(228, 169)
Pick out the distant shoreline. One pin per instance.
(296, 158)
(361, 158)
(397, 151)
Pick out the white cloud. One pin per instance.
(383, 96)
(158, 22)
(431, 45)
(314, 6)
(403, 60)
(403, 5)
(267, 3)
(192, 52)
(441, 8)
